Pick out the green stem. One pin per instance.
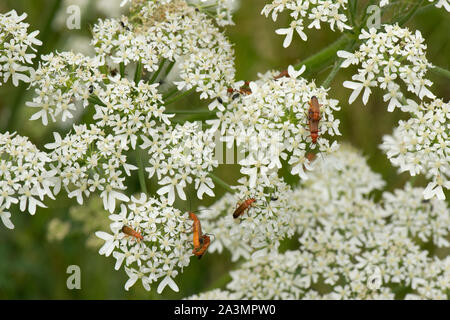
(169, 68)
(440, 71)
(138, 73)
(323, 56)
(156, 73)
(47, 30)
(189, 112)
(337, 65)
(185, 93)
(170, 93)
(141, 172)
(122, 69)
(221, 183)
(352, 9)
(96, 100)
(403, 20)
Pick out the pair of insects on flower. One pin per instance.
(313, 112)
(313, 115)
(202, 241)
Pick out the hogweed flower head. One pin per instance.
(350, 246)
(260, 228)
(127, 84)
(179, 156)
(271, 124)
(389, 58)
(87, 161)
(438, 4)
(421, 145)
(25, 176)
(424, 219)
(163, 251)
(15, 45)
(308, 14)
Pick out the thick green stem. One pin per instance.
(404, 19)
(47, 30)
(440, 71)
(122, 69)
(221, 183)
(138, 73)
(156, 73)
(169, 68)
(185, 93)
(337, 65)
(170, 93)
(96, 100)
(352, 9)
(141, 173)
(323, 56)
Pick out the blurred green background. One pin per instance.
(32, 267)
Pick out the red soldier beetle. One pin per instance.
(201, 241)
(242, 207)
(314, 118)
(282, 74)
(205, 241)
(132, 233)
(197, 231)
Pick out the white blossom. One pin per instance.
(165, 247)
(15, 41)
(390, 57)
(26, 177)
(308, 14)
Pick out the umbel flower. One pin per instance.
(25, 176)
(308, 14)
(163, 251)
(438, 4)
(15, 42)
(350, 246)
(88, 160)
(389, 58)
(421, 145)
(258, 230)
(169, 49)
(271, 124)
(180, 156)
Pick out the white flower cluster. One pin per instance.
(89, 160)
(159, 248)
(220, 9)
(63, 81)
(170, 32)
(304, 11)
(261, 228)
(131, 113)
(421, 145)
(438, 4)
(129, 108)
(15, 61)
(216, 294)
(25, 177)
(180, 156)
(427, 220)
(350, 246)
(271, 124)
(389, 57)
